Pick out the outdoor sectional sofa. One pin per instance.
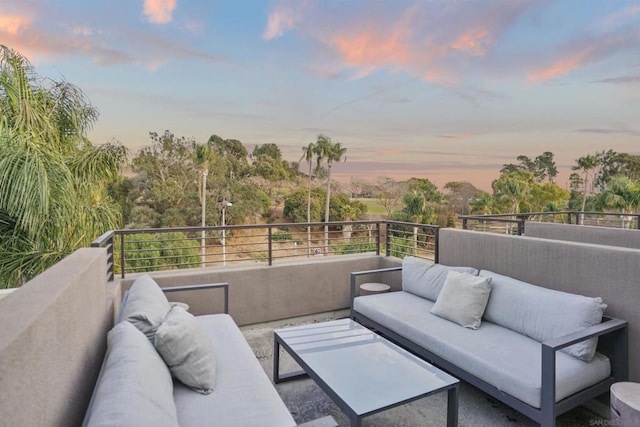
(154, 341)
(534, 348)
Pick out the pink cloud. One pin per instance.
(437, 41)
(392, 151)
(371, 47)
(585, 51)
(458, 137)
(476, 42)
(159, 11)
(12, 24)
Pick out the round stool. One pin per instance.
(625, 404)
(374, 288)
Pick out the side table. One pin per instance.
(374, 288)
(625, 404)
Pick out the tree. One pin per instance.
(389, 192)
(542, 167)
(169, 181)
(53, 185)
(621, 193)
(307, 154)
(513, 189)
(268, 163)
(586, 165)
(204, 157)
(461, 193)
(331, 152)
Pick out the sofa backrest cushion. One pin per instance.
(541, 313)
(135, 387)
(426, 279)
(146, 306)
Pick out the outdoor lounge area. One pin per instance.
(53, 351)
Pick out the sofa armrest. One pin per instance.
(355, 274)
(223, 285)
(327, 421)
(615, 329)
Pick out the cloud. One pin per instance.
(279, 22)
(435, 40)
(12, 24)
(392, 151)
(159, 11)
(619, 80)
(605, 131)
(457, 137)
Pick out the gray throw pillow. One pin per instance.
(135, 386)
(146, 306)
(187, 350)
(463, 299)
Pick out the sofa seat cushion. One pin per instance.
(243, 395)
(543, 314)
(510, 361)
(135, 387)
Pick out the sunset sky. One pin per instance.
(442, 89)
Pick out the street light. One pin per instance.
(224, 234)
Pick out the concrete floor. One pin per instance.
(306, 401)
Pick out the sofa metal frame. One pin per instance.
(613, 343)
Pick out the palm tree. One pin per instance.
(331, 152)
(307, 153)
(621, 193)
(586, 165)
(53, 196)
(204, 157)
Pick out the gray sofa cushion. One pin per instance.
(244, 395)
(504, 358)
(187, 351)
(146, 306)
(426, 279)
(541, 313)
(135, 387)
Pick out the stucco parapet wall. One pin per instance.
(626, 238)
(262, 293)
(52, 342)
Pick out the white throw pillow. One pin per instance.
(463, 299)
(426, 279)
(187, 350)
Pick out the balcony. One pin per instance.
(54, 337)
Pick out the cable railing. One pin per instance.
(153, 249)
(516, 223)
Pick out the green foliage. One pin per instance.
(53, 180)
(268, 163)
(354, 246)
(342, 208)
(280, 236)
(543, 167)
(159, 251)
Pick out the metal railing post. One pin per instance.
(436, 246)
(122, 255)
(270, 244)
(464, 223)
(387, 238)
(377, 238)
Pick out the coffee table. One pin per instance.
(362, 372)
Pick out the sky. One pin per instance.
(448, 90)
